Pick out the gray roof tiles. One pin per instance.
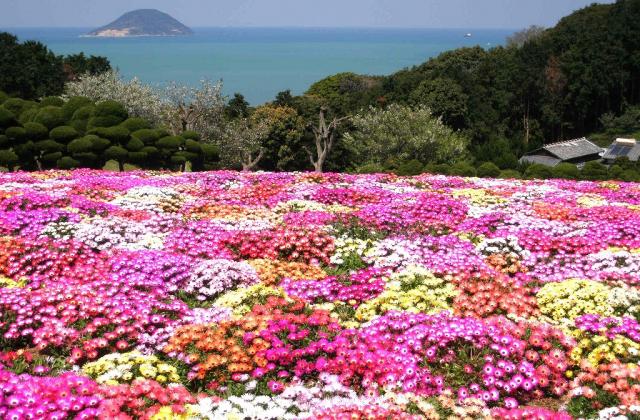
(572, 149)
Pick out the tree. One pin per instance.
(594, 171)
(237, 107)
(242, 142)
(404, 133)
(76, 65)
(520, 38)
(198, 109)
(325, 136)
(139, 100)
(283, 144)
(445, 98)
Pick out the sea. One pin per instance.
(260, 62)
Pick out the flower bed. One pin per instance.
(233, 295)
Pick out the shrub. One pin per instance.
(410, 168)
(106, 121)
(8, 159)
(210, 152)
(135, 145)
(135, 124)
(83, 112)
(67, 163)
(462, 169)
(566, 171)
(148, 136)
(28, 115)
(192, 146)
(137, 157)
(488, 170)
(51, 101)
(49, 146)
(99, 144)
(16, 134)
(116, 134)
(50, 117)
(170, 143)
(4, 141)
(615, 172)
(594, 171)
(7, 118)
(17, 106)
(151, 151)
(75, 103)
(63, 134)
(111, 109)
(510, 174)
(538, 171)
(3, 97)
(370, 168)
(36, 131)
(81, 145)
(631, 175)
(116, 153)
(190, 134)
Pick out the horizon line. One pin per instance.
(480, 28)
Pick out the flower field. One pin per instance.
(269, 296)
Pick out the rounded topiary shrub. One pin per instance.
(49, 146)
(538, 171)
(7, 118)
(631, 175)
(8, 158)
(106, 121)
(67, 162)
(75, 103)
(50, 117)
(4, 141)
(36, 131)
(210, 152)
(488, 170)
(83, 112)
(462, 169)
(81, 145)
(615, 172)
(370, 168)
(147, 136)
(594, 171)
(3, 97)
(151, 151)
(135, 124)
(192, 146)
(116, 153)
(190, 134)
(170, 142)
(410, 168)
(64, 134)
(16, 134)
(51, 101)
(111, 109)
(509, 174)
(566, 171)
(135, 144)
(137, 157)
(17, 106)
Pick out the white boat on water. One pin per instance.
(469, 35)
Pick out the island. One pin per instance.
(142, 22)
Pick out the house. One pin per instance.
(577, 151)
(629, 148)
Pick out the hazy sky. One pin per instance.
(332, 13)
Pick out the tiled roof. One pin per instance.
(572, 149)
(623, 147)
(543, 160)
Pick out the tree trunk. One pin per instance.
(120, 166)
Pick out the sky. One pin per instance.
(477, 14)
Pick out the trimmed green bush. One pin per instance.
(28, 115)
(210, 152)
(172, 143)
(147, 136)
(410, 168)
(49, 146)
(98, 144)
(594, 171)
(74, 104)
(135, 145)
(116, 134)
(67, 162)
(81, 145)
(370, 168)
(83, 112)
(151, 151)
(193, 146)
(36, 131)
(106, 121)
(51, 158)
(4, 141)
(509, 174)
(137, 157)
(111, 109)
(3, 97)
(64, 134)
(50, 117)
(190, 134)
(8, 159)
(462, 169)
(566, 171)
(488, 170)
(7, 118)
(135, 124)
(16, 134)
(538, 171)
(117, 153)
(17, 106)
(631, 175)
(51, 101)
(615, 172)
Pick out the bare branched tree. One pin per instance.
(325, 136)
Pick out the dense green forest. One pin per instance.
(470, 111)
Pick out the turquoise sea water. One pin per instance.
(259, 62)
